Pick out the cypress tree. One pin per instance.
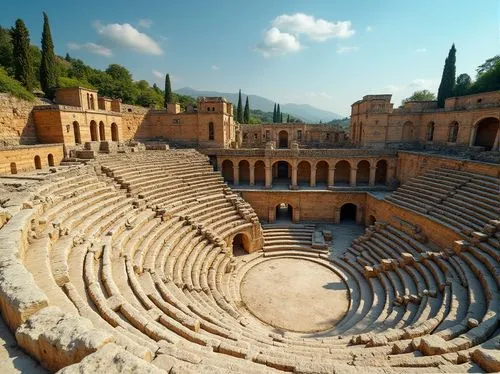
(23, 65)
(274, 113)
(278, 114)
(246, 112)
(239, 109)
(169, 99)
(48, 69)
(281, 117)
(288, 118)
(448, 79)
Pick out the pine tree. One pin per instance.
(169, 99)
(278, 114)
(23, 65)
(67, 57)
(448, 79)
(274, 113)
(239, 109)
(246, 112)
(49, 79)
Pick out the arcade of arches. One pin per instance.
(296, 173)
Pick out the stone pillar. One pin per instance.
(236, 175)
(271, 215)
(331, 176)
(252, 174)
(336, 215)
(294, 176)
(296, 215)
(373, 170)
(391, 173)
(359, 215)
(269, 177)
(312, 182)
(352, 177)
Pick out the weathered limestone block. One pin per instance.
(488, 359)
(327, 234)
(432, 345)
(59, 339)
(112, 359)
(20, 297)
(478, 236)
(369, 272)
(406, 259)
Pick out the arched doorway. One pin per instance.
(76, 133)
(282, 172)
(114, 132)
(381, 172)
(283, 139)
(303, 173)
(38, 162)
(260, 173)
(241, 245)
(244, 170)
(13, 168)
(227, 171)
(284, 212)
(430, 132)
(453, 132)
(342, 172)
(486, 134)
(348, 213)
(363, 173)
(50, 159)
(102, 131)
(322, 173)
(408, 133)
(93, 131)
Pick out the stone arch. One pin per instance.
(244, 172)
(348, 212)
(282, 170)
(304, 172)
(114, 132)
(283, 139)
(38, 162)
(227, 171)
(102, 131)
(260, 172)
(13, 168)
(76, 132)
(322, 172)
(453, 132)
(342, 172)
(363, 172)
(408, 132)
(94, 136)
(486, 133)
(429, 136)
(381, 172)
(92, 103)
(241, 244)
(284, 211)
(50, 159)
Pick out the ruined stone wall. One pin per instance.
(135, 122)
(16, 121)
(412, 164)
(22, 158)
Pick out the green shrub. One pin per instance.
(12, 86)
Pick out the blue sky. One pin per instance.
(325, 53)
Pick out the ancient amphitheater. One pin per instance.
(133, 256)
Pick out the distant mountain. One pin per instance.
(306, 112)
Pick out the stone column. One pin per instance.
(373, 170)
(269, 177)
(252, 174)
(331, 176)
(296, 215)
(271, 215)
(294, 176)
(352, 177)
(236, 175)
(391, 173)
(312, 182)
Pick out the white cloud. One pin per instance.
(421, 50)
(158, 74)
(322, 95)
(145, 23)
(127, 37)
(346, 49)
(92, 48)
(277, 43)
(316, 29)
(369, 28)
(215, 67)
